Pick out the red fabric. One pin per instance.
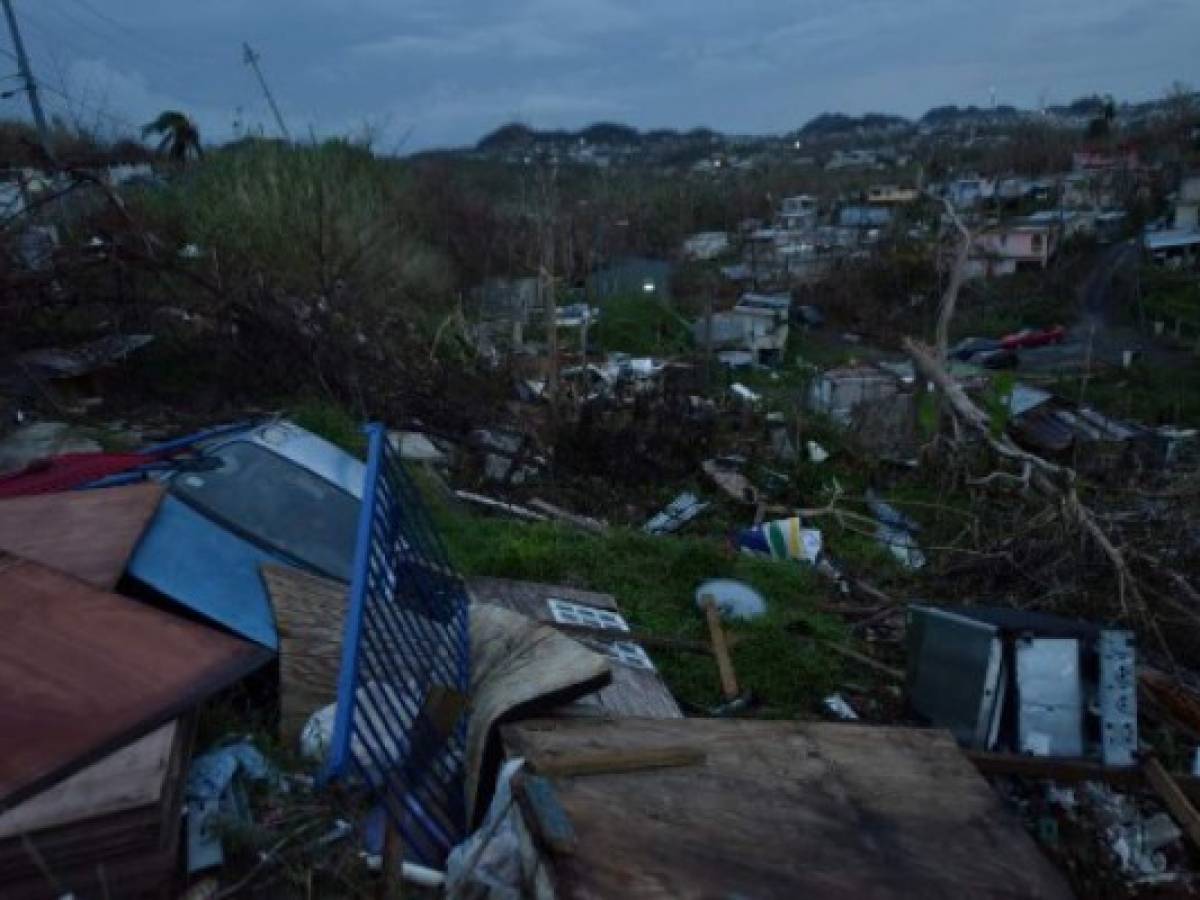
(68, 471)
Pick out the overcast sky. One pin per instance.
(444, 72)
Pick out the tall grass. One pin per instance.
(327, 223)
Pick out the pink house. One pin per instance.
(1005, 249)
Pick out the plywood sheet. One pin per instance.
(128, 778)
(783, 810)
(88, 534)
(526, 595)
(83, 671)
(310, 613)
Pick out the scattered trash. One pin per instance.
(500, 506)
(816, 453)
(583, 523)
(896, 531)
(215, 797)
(733, 483)
(1021, 680)
(41, 440)
(417, 447)
(782, 539)
(55, 363)
(744, 393)
(837, 705)
(677, 513)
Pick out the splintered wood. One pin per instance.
(779, 810)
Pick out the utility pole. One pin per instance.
(251, 59)
(35, 105)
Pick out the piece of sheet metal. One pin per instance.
(954, 673)
(1117, 698)
(83, 672)
(188, 558)
(1049, 697)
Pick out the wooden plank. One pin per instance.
(83, 672)
(529, 598)
(88, 843)
(784, 810)
(1176, 801)
(310, 613)
(88, 534)
(609, 762)
(129, 778)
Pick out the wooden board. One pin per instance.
(783, 810)
(128, 778)
(519, 668)
(310, 613)
(632, 692)
(83, 672)
(525, 595)
(88, 534)
(141, 841)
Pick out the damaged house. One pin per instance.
(756, 330)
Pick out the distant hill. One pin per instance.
(515, 136)
(949, 115)
(828, 124)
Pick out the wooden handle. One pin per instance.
(729, 685)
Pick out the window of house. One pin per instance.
(1037, 243)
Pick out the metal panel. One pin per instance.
(1049, 697)
(954, 673)
(195, 562)
(1117, 697)
(405, 642)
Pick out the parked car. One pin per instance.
(1028, 338)
(967, 348)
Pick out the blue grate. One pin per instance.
(405, 642)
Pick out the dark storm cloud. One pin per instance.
(448, 71)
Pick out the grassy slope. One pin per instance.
(654, 580)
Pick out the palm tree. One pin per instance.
(180, 136)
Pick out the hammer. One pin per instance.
(735, 701)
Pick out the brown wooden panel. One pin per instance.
(529, 597)
(783, 810)
(83, 671)
(128, 778)
(88, 534)
(310, 613)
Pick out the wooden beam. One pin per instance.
(1173, 796)
(609, 762)
(864, 660)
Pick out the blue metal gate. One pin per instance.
(405, 648)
